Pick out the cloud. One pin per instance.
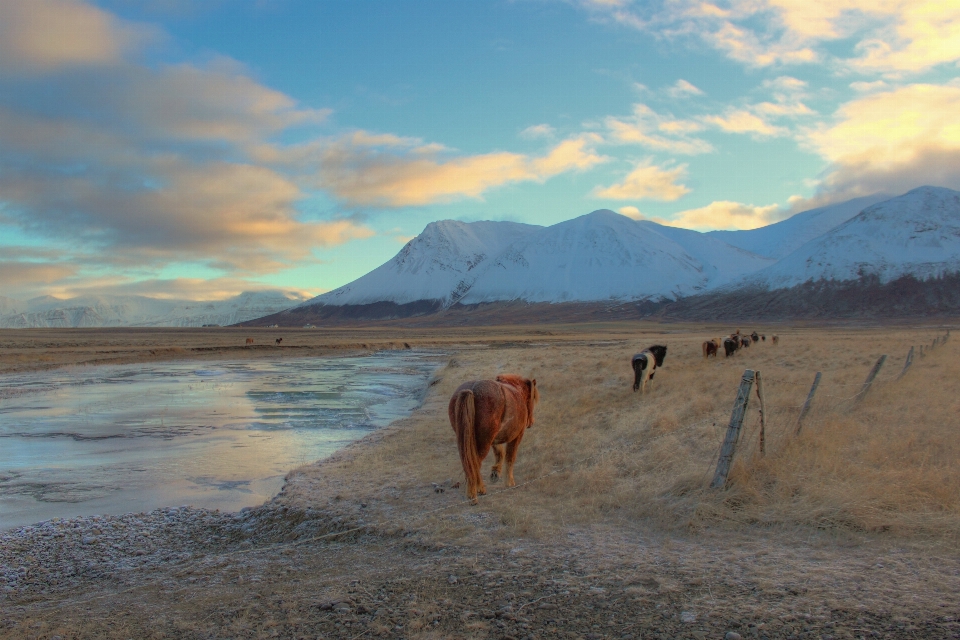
(724, 214)
(892, 141)
(682, 88)
(648, 181)
(742, 121)
(538, 131)
(147, 166)
(889, 36)
(45, 36)
(24, 275)
(200, 289)
(364, 175)
(869, 87)
(649, 129)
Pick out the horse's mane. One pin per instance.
(659, 352)
(527, 388)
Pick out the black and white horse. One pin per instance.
(645, 365)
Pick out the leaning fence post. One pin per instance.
(906, 365)
(763, 414)
(869, 381)
(809, 401)
(733, 430)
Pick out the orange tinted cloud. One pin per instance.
(724, 214)
(366, 176)
(892, 141)
(648, 181)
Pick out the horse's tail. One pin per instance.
(465, 417)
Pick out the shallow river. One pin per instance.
(118, 439)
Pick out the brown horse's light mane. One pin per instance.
(527, 389)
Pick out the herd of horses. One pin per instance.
(494, 414)
(733, 343)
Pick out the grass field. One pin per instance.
(847, 530)
(600, 452)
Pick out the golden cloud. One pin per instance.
(742, 121)
(892, 141)
(647, 181)
(891, 36)
(655, 131)
(373, 177)
(723, 214)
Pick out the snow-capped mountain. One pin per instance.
(782, 238)
(606, 256)
(140, 311)
(599, 256)
(439, 264)
(917, 233)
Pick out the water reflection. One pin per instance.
(131, 438)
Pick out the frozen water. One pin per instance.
(115, 439)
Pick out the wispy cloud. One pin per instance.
(648, 181)
(538, 131)
(682, 89)
(409, 175)
(724, 214)
(890, 36)
(656, 131)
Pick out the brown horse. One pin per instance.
(249, 340)
(709, 348)
(491, 413)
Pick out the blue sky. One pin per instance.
(200, 149)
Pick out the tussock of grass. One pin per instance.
(602, 453)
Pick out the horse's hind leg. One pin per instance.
(497, 472)
(511, 457)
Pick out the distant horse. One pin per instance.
(763, 337)
(491, 413)
(279, 340)
(775, 339)
(755, 336)
(709, 349)
(645, 365)
(745, 342)
(730, 346)
(249, 340)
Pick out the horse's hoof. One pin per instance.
(494, 476)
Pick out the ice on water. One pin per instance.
(115, 439)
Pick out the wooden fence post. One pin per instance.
(809, 401)
(869, 381)
(763, 414)
(733, 430)
(906, 365)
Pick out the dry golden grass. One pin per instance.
(601, 453)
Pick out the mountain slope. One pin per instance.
(917, 233)
(782, 238)
(438, 265)
(606, 256)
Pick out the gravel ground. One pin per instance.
(274, 571)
